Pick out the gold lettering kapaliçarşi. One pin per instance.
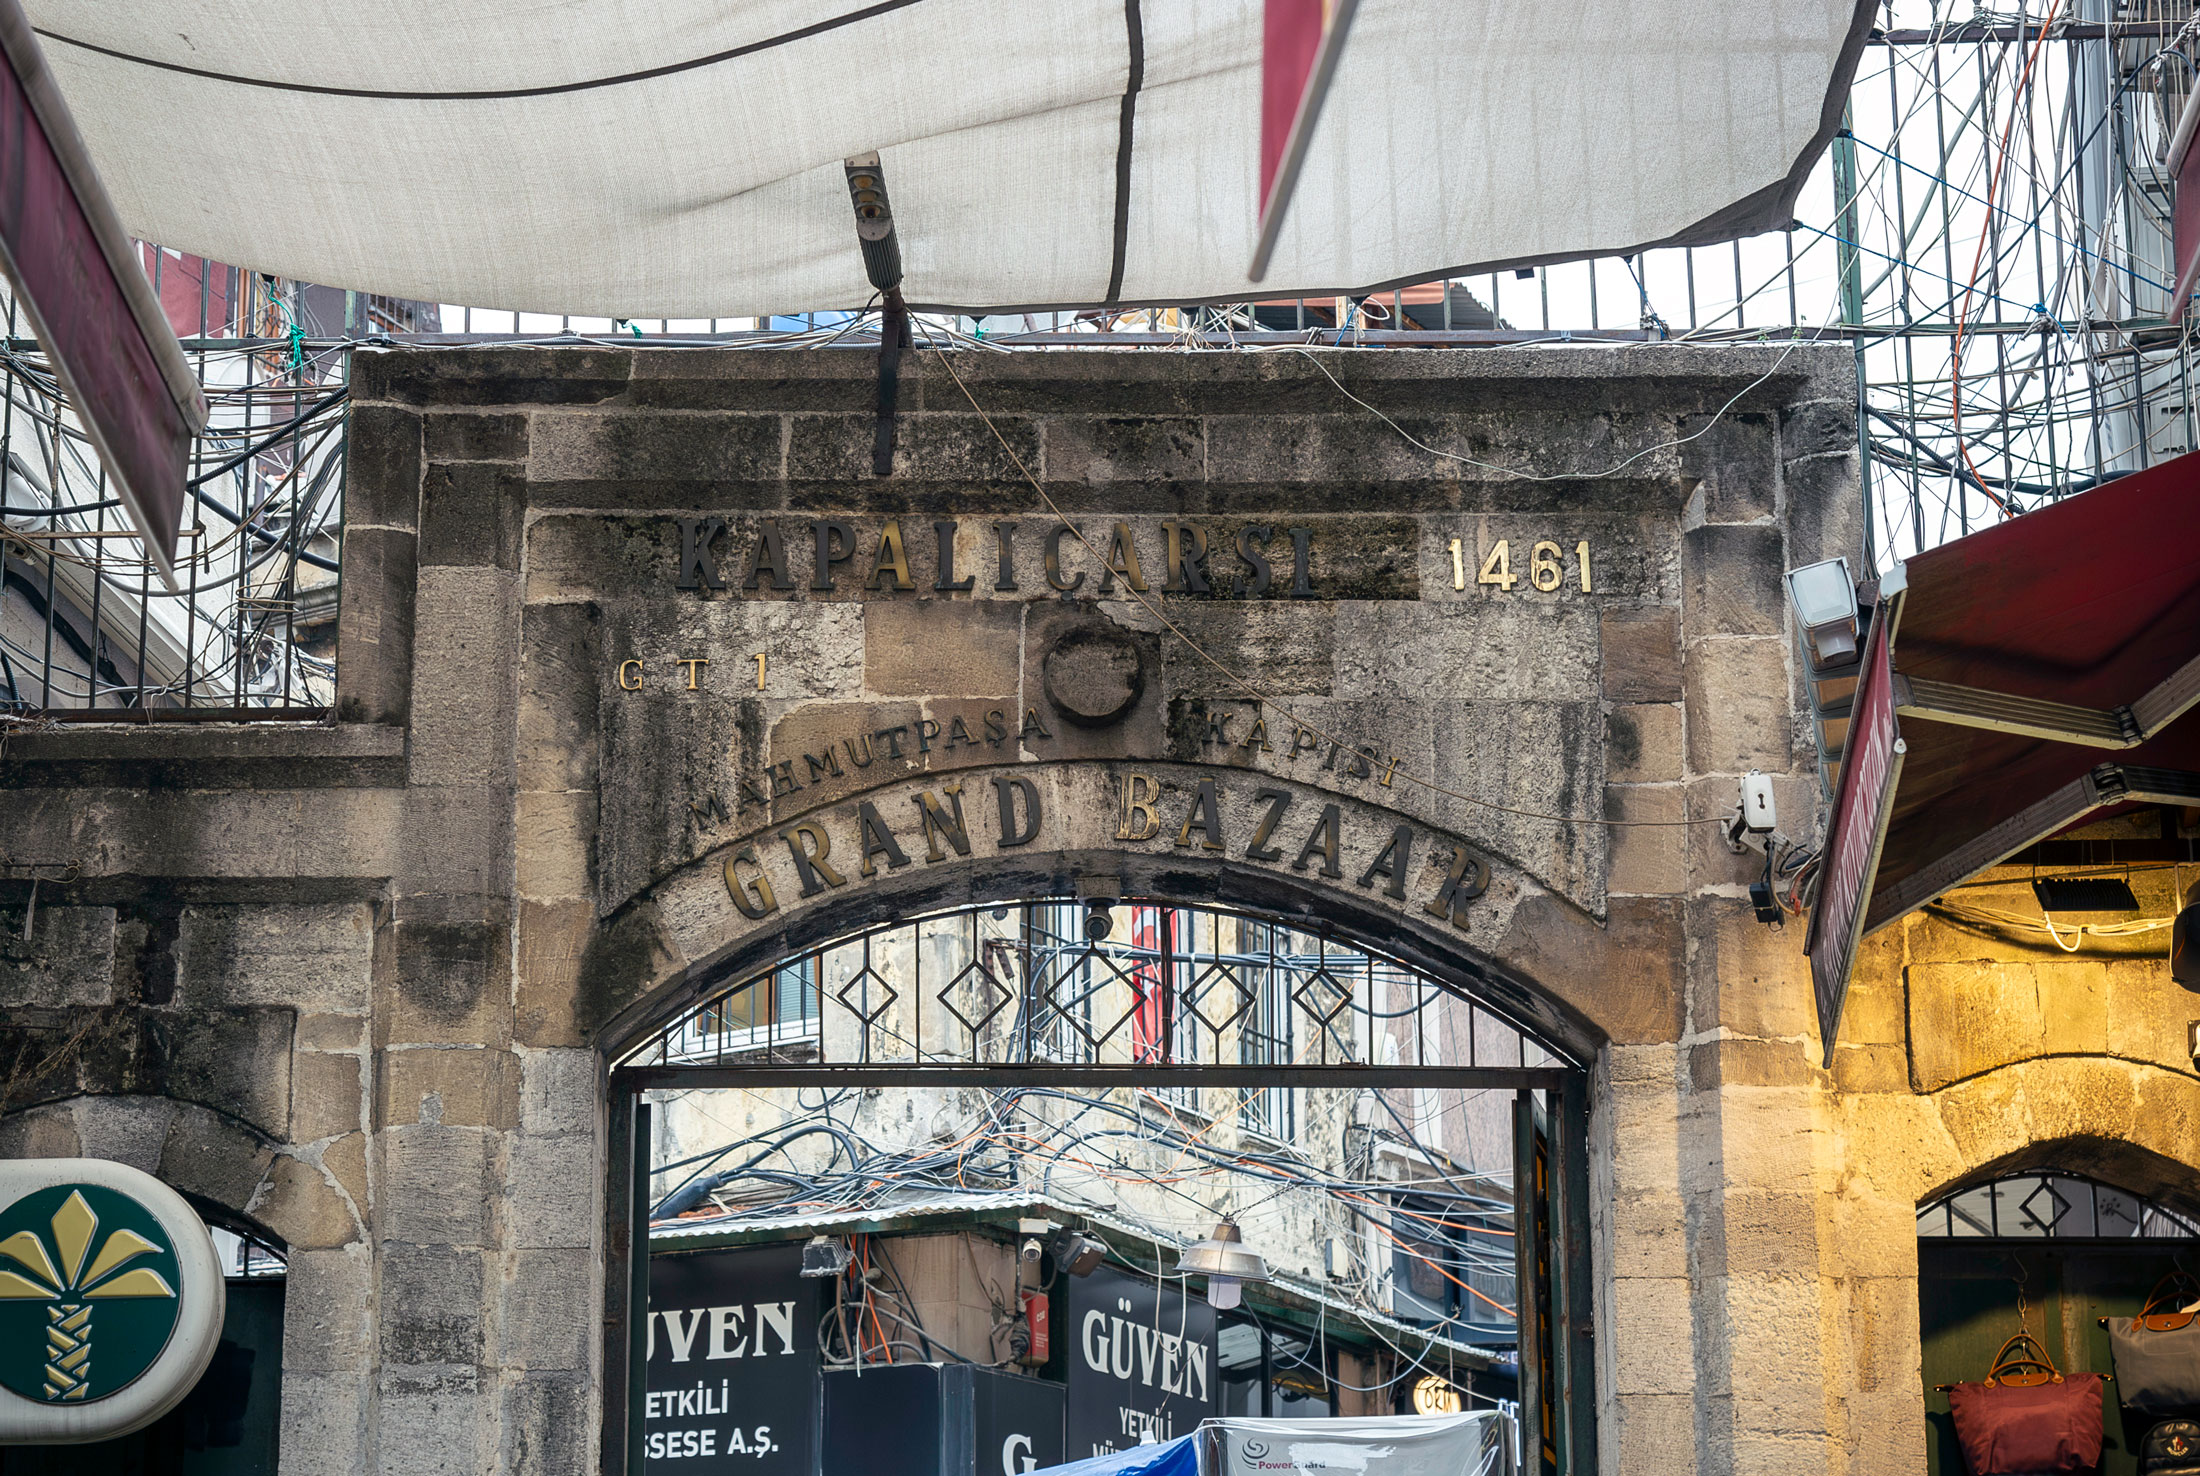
(762, 559)
(935, 824)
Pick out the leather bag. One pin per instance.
(2172, 1448)
(2157, 1353)
(2026, 1417)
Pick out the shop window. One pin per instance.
(771, 1010)
(1065, 981)
(2046, 1252)
(1452, 1268)
(1264, 1037)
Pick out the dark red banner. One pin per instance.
(1300, 43)
(1871, 761)
(60, 246)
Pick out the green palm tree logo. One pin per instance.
(61, 1269)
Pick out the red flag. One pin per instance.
(1300, 43)
(1149, 989)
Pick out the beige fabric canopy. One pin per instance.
(651, 158)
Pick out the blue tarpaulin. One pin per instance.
(1176, 1458)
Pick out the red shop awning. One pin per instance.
(2045, 668)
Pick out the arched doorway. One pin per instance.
(2050, 1252)
(1275, 1044)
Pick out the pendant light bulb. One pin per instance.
(1223, 1259)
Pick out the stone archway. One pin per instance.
(1376, 890)
(1220, 835)
(301, 1198)
(2135, 1126)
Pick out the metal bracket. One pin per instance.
(893, 337)
(2104, 785)
(2057, 722)
(2003, 712)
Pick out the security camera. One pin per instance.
(1033, 1249)
(1099, 922)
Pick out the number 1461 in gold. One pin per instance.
(1546, 571)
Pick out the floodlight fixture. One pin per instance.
(1223, 1259)
(823, 1256)
(1077, 1253)
(2084, 894)
(1824, 597)
(874, 221)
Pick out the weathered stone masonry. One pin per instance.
(357, 982)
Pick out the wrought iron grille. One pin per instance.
(1121, 983)
(2052, 1206)
(87, 629)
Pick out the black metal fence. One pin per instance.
(88, 630)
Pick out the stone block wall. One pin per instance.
(359, 983)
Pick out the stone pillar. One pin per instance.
(1755, 1160)
(485, 1227)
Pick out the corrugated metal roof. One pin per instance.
(899, 1213)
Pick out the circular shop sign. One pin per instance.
(88, 1293)
(110, 1300)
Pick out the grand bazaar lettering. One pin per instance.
(853, 844)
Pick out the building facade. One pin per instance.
(647, 685)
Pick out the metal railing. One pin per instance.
(87, 628)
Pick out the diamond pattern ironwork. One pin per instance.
(1127, 980)
(1203, 986)
(2061, 1206)
(858, 978)
(996, 996)
(1325, 1007)
(1042, 992)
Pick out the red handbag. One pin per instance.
(2026, 1417)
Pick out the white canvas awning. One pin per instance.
(682, 158)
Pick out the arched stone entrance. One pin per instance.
(987, 1000)
(1191, 834)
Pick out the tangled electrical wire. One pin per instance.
(2069, 937)
(1093, 1153)
(2013, 205)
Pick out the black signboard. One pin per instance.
(1141, 1360)
(939, 1419)
(1018, 1425)
(733, 1364)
